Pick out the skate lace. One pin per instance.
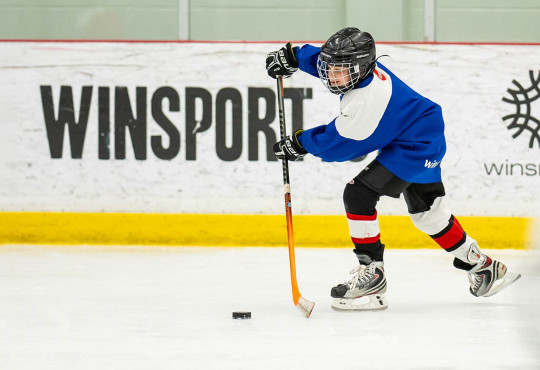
(475, 280)
(360, 276)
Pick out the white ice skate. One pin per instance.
(364, 292)
(486, 277)
(489, 277)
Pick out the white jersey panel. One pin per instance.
(362, 109)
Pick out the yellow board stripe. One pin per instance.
(239, 230)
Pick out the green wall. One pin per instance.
(488, 20)
(89, 19)
(387, 20)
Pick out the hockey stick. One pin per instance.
(301, 303)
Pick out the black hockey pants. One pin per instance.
(424, 202)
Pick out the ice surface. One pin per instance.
(73, 307)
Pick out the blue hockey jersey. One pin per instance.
(381, 113)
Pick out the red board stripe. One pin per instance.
(268, 42)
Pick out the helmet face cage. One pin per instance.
(338, 76)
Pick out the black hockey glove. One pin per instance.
(282, 62)
(289, 148)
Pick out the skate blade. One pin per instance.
(377, 302)
(505, 281)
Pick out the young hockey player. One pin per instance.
(380, 112)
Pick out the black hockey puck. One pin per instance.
(241, 315)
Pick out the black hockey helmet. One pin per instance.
(350, 49)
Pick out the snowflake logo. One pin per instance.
(522, 119)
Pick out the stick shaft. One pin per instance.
(282, 128)
(287, 188)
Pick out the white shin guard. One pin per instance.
(433, 220)
(437, 221)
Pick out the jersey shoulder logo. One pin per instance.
(379, 74)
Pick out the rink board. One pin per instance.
(240, 230)
(171, 144)
(188, 128)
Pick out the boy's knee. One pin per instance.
(359, 199)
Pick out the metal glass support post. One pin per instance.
(429, 20)
(183, 19)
